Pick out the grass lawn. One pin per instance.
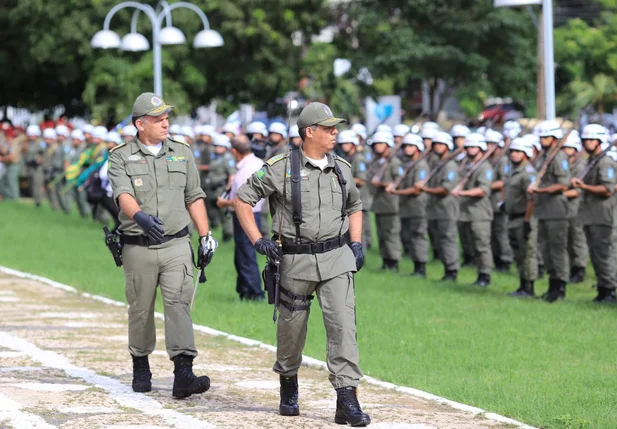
(547, 365)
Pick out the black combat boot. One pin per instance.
(483, 280)
(289, 396)
(185, 382)
(502, 266)
(556, 290)
(577, 275)
(605, 296)
(348, 408)
(450, 275)
(525, 290)
(393, 265)
(419, 269)
(142, 377)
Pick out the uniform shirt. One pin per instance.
(414, 206)
(596, 210)
(276, 150)
(475, 209)
(383, 202)
(553, 206)
(163, 184)
(516, 185)
(359, 170)
(34, 153)
(574, 203)
(204, 159)
(433, 160)
(440, 207)
(247, 166)
(501, 171)
(221, 168)
(321, 212)
(57, 157)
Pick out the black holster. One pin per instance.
(272, 277)
(113, 243)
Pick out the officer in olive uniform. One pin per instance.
(500, 244)
(34, 161)
(577, 244)
(476, 212)
(222, 167)
(442, 209)
(596, 211)
(522, 226)
(156, 185)
(348, 142)
(277, 139)
(52, 160)
(551, 209)
(11, 157)
(414, 226)
(386, 206)
(315, 255)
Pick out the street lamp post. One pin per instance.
(169, 35)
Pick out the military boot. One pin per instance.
(525, 290)
(502, 266)
(185, 382)
(142, 377)
(289, 396)
(605, 296)
(556, 290)
(393, 265)
(450, 275)
(348, 408)
(483, 280)
(577, 275)
(419, 269)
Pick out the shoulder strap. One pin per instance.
(296, 190)
(343, 183)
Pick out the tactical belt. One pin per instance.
(142, 240)
(315, 247)
(516, 216)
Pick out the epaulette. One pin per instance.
(117, 147)
(344, 161)
(179, 142)
(276, 159)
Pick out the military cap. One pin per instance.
(317, 114)
(150, 104)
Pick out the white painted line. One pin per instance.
(119, 392)
(10, 411)
(9, 299)
(306, 360)
(50, 387)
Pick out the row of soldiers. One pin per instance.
(535, 200)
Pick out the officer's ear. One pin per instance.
(140, 123)
(310, 132)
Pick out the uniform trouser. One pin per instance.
(432, 235)
(81, 199)
(466, 239)
(540, 254)
(37, 182)
(601, 250)
(367, 231)
(214, 214)
(50, 191)
(577, 244)
(388, 234)
(336, 298)
(63, 199)
(9, 184)
(525, 251)
(169, 266)
(248, 282)
(479, 234)
(445, 239)
(553, 238)
(413, 235)
(502, 252)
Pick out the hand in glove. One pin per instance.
(270, 249)
(151, 225)
(205, 252)
(356, 248)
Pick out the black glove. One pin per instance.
(356, 248)
(269, 248)
(152, 226)
(526, 230)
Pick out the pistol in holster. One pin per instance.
(113, 243)
(272, 283)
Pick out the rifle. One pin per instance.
(56, 180)
(378, 177)
(591, 164)
(475, 168)
(549, 158)
(442, 164)
(397, 182)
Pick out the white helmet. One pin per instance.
(534, 141)
(459, 130)
(78, 135)
(476, 140)
(429, 130)
(595, 132)
(175, 129)
(445, 138)
(187, 130)
(414, 139)
(348, 136)
(230, 128)
(492, 136)
(62, 130)
(400, 130)
(33, 130)
(612, 154)
(88, 128)
(99, 132)
(384, 127)
(257, 127)
(294, 132)
(278, 128)
(360, 130)
(180, 138)
(383, 137)
(511, 129)
(49, 133)
(481, 130)
(523, 145)
(550, 128)
(129, 131)
(573, 141)
(113, 137)
(207, 130)
(613, 138)
(222, 140)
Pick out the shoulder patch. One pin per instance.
(117, 147)
(179, 142)
(451, 175)
(530, 169)
(344, 161)
(610, 172)
(362, 167)
(564, 165)
(275, 159)
(422, 174)
(506, 169)
(489, 174)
